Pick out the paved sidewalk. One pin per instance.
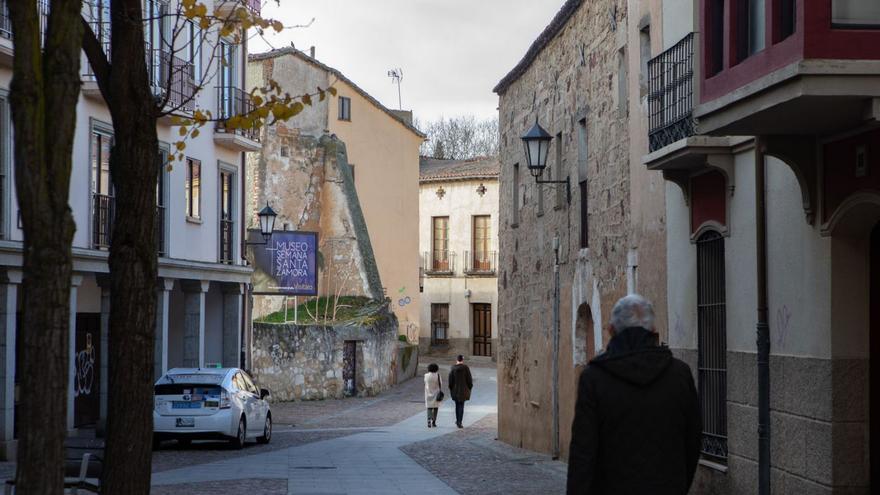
(369, 462)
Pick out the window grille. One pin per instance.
(712, 345)
(671, 94)
(439, 324)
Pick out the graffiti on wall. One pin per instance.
(84, 363)
(404, 300)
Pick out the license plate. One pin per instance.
(182, 404)
(186, 422)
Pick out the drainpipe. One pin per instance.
(763, 327)
(555, 361)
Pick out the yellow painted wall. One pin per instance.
(385, 155)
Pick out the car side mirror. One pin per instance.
(264, 393)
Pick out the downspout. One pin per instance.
(555, 362)
(763, 327)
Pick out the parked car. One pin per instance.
(210, 403)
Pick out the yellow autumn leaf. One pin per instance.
(331, 90)
(257, 100)
(195, 133)
(180, 145)
(278, 26)
(307, 99)
(204, 23)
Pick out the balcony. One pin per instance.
(172, 80)
(671, 94)
(227, 234)
(813, 71)
(480, 263)
(233, 101)
(438, 263)
(102, 220)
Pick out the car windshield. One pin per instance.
(195, 390)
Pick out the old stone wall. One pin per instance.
(306, 362)
(309, 184)
(578, 88)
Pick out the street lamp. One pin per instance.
(267, 225)
(536, 144)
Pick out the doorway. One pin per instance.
(874, 358)
(482, 324)
(349, 368)
(86, 383)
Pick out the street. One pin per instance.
(377, 445)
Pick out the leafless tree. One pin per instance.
(460, 138)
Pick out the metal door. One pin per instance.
(349, 368)
(482, 325)
(86, 383)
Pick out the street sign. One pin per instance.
(286, 265)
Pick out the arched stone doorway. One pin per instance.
(584, 346)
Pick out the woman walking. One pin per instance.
(433, 393)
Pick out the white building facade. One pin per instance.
(201, 312)
(458, 239)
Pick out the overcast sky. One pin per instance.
(452, 52)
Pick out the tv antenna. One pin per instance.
(396, 76)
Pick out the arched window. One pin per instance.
(712, 345)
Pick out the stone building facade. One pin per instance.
(611, 233)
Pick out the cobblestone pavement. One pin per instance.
(472, 461)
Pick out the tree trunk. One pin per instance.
(133, 257)
(44, 93)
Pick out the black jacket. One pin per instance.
(637, 427)
(460, 383)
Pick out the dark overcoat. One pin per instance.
(460, 383)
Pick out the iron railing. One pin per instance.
(226, 235)
(6, 22)
(172, 80)
(439, 262)
(671, 94)
(102, 220)
(232, 101)
(160, 230)
(480, 262)
(712, 345)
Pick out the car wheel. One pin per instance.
(184, 442)
(240, 436)
(267, 431)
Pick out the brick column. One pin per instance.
(194, 322)
(232, 307)
(160, 363)
(8, 322)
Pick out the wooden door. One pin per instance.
(482, 324)
(87, 363)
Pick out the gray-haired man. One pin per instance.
(637, 425)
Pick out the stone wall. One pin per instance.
(305, 362)
(578, 88)
(407, 362)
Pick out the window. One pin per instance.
(750, 24)
(712, 345)
(193, 188)
(482, 261)
(855, 13)
(583, 150)
(160, 201)
(715, 37)
(515, 194)
(102, 188)
(227, 224)
(440, 257)
(786, 19)
(194, 48)
(644, 57)
(439, 324)
(344, 108)
(585, 214)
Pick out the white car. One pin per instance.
(210, 403)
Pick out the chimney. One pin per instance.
(312, 52)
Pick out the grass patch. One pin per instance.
(348, 308)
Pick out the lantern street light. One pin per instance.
(267, 225)
(536, 144)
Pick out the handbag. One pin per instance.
(439, 397)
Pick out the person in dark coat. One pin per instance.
(460, 385)
(637, 426)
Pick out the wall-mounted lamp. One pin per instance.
(536, 143)
(267, 225)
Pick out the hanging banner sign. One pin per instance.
(287, 265)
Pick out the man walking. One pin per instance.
(637, 421)
(460, 385)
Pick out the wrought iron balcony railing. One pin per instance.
(480, 262)
(172, 78)
(671, 94)
(226, 236)
(6, 23)
(438, 262)
(102, 220)
(232, 101)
